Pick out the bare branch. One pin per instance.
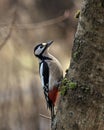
(31, 26)
(46, 117)
(41, 24)
(10, 30)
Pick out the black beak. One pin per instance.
(49, 43)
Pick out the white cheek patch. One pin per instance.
(38, 51)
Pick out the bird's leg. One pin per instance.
(58, 83)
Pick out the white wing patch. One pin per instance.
(41, 74)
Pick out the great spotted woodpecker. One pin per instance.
(51, 74)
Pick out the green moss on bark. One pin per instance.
(67, 84)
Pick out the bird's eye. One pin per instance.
(41, 46)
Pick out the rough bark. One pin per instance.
(82, 108)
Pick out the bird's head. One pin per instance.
(41, 49)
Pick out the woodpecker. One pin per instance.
(51, 74)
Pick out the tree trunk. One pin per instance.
(81, 105)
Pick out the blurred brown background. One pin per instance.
(23, 24)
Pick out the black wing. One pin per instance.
(45, 73)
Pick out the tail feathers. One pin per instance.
(52, 112)
(50, 105)
(50, 97)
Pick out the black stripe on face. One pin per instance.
(37, 47)
(41, 47)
